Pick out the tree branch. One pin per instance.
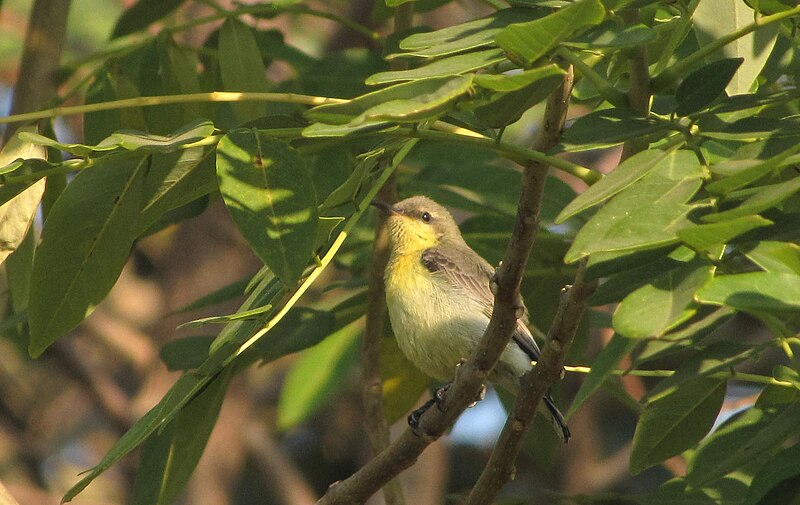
(470, 376)
(535, 384)
(500, 468)
(44, 43)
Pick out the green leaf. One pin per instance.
(452, 65)
(715, 18)
(746, 438)
(602, 367)
(185, 353)
(514, 82)
(610, 35)
(143, 14)
(676, 422)
(267, 290)
(464, 36)
(778, 481)
(506, 108)
(727, 490)
(704, 85)
(347, 191)
(717, 357)
(174, 180)
(662, 304)
(170, 455)
(133, 140)
(411, 101)
(754, 291)
(18, 267)
(607, 128)
(620, 285)
(317, 375)
(647, 214)
(269, 193)
(76, 266)
(686, 337)
(16, 215)
(702, 237)
(241, 66)
(527, 42)
(625, 174)
(767, 196)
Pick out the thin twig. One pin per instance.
(500, 468)
(535, 384)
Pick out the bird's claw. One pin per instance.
(415, 416)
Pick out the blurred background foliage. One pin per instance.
(698, 241)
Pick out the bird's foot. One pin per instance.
(415, 416)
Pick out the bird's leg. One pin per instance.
(519, 307)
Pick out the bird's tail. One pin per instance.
(557, 418)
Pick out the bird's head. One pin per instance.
(418, 223)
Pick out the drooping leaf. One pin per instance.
(516, 81)
(16, 215)
(738, 172)
(241, 66)
(316, 375)
(527, 42)
(142, 14)
(715, 18)
(647, 214)
(755, 291)
(253, 314)
(676, 422)
(704, 85)
(170, 455)
(602, 366)
(76, 266)
(270, 196)
(662, 304)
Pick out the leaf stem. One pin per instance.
(745, 377)
(148, 101)
(671, 74)
(607, 90)
(513, 152)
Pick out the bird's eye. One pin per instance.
(426, 217)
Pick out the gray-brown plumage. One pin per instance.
(440, 300)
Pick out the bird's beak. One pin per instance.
(385, 207)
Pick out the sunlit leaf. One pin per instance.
(756, 291)
(270, 196)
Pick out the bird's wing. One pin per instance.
(475, 282)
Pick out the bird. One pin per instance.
(439, 300)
